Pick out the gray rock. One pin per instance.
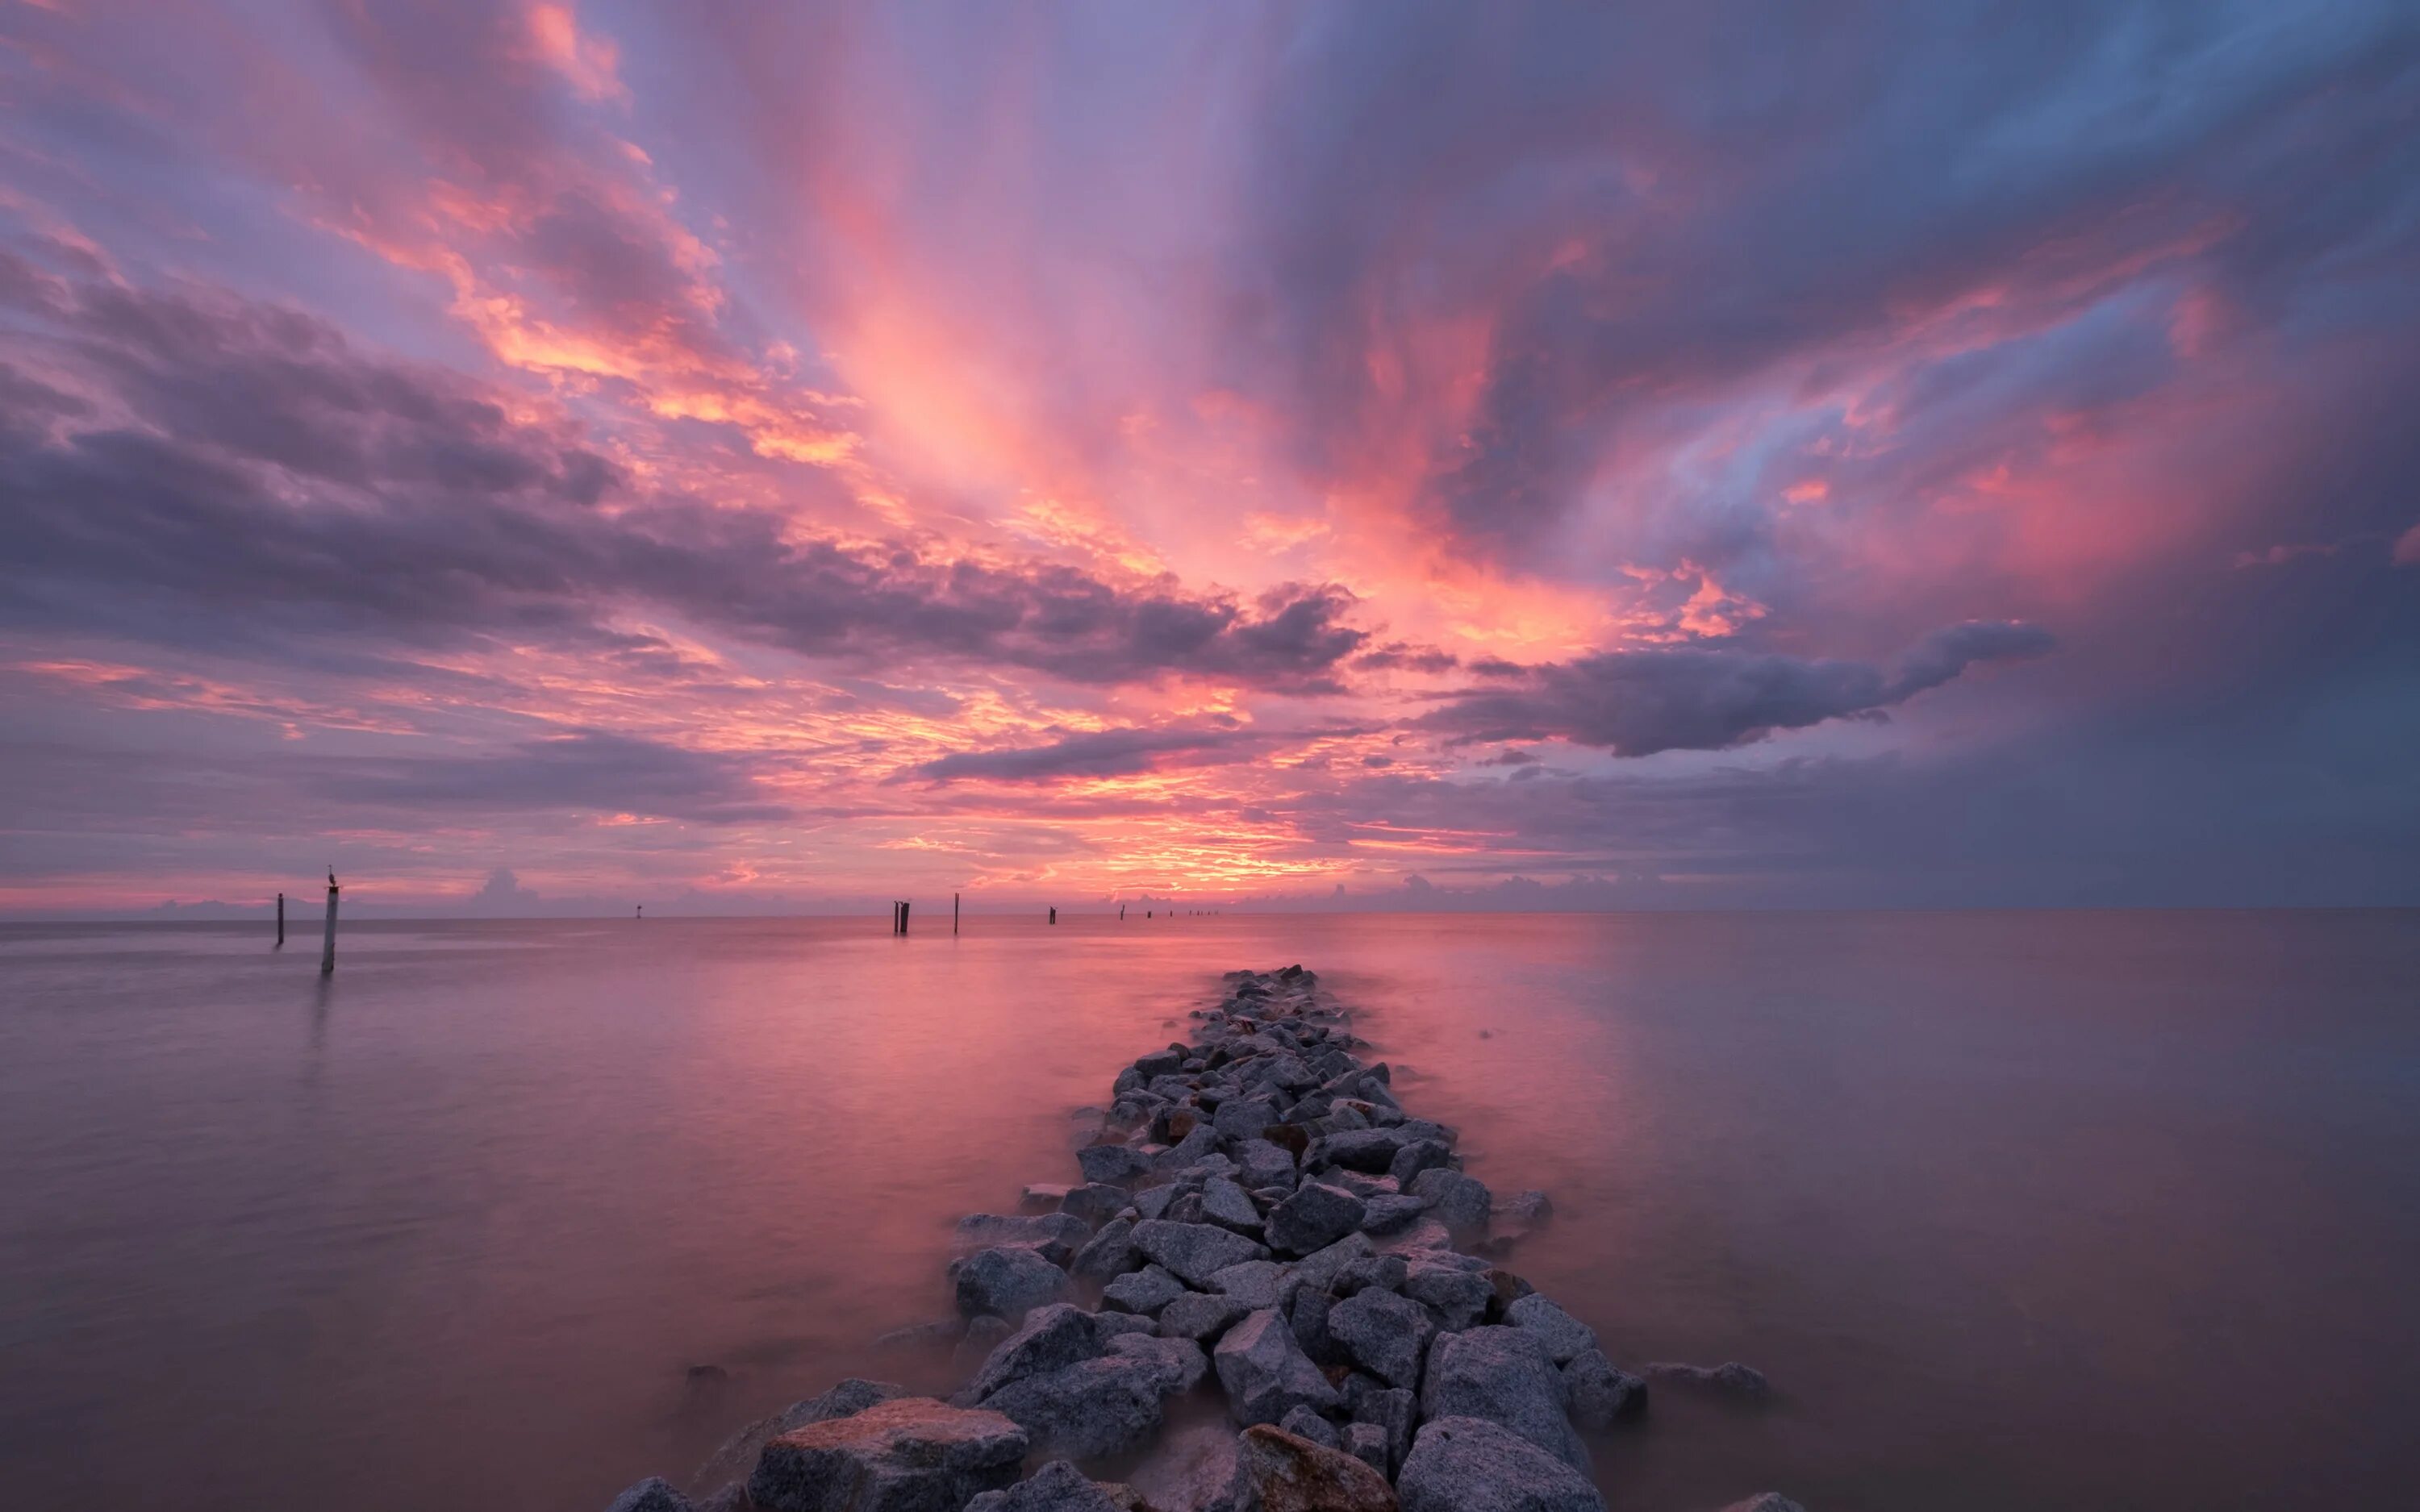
(1320, 1270)
(1419, 1236)
(1390, 1212)
(1465, 1464)
(1393, 1409)
(1055, 1236)
(1387, 1273)
(1112, 1163)
(1460, 1202)
(1316, 1216)
(1195, 1252)
(1363, 1150)
(1256, 1284)
(1146, 1290)
(1178, 1364)
(1307, 1313)
(1599, 1395)
(1225, 1204)
(907, 1454)
(1089, 1409)
(1243, 1118)
(1114, 1324)
(1730, 1377)
(1202, 1140)
(1111, 1252)
(983, 1335)
(1561, 1334)
(1367, 1443)
(733, 1460)
(1093, 1203)
(1291, 1473)
(1305, 1424)
(1057, 1487)
(1053, 1337)
(1457, 1298)
(1265, 1373)
(1196, 1469)
(915, 1336)
(1417, 1156)
(1045, 1196)
(1260, 1163)
(1200, 1315)
(1152, 1201)
(654, 1494)
(1383, 1333)
(1005, 1283)
(1528, 1208)
(1502, 1375)
(1765, 1502)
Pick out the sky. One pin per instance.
(538, 458)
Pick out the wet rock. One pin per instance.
(1291, 1138)
(1266, 1372)
(1263, 1164)
(1178, 1364)
(739, 1453)
(906, 1454)
(1194, 1252)
(1307, 1313)
(1501, 1374)
(1243, 1118)
(1320, 1270)
(1162, 1062)
(1730, 1377)
(1367, 1443)
(1561, 1334)
(912, 1337)
(1110, 1252)
(1089, 1409)
(1199, 1315)
(1225, 1204)
(1112, 1163)
(1291, 1473)
(1508, 1289)
(1114, 1324)
(1006, 1283)
(1055, 1236)
(1052, 1338)
(1390, 1212)
(1256, 1284)
(1057, 1487)
(983, 1335)
(1093, 1203)
(1363, 1150)
(1152, 1201)
(1765, 1502)
(1197, 1469)
(1463, 1464)
(1455, 1298)
(1383, 1333)
(1316, 1216)
(1392, 1410)
(654, 1494)
(1387, 1272)
(1305, 1424)
(1528, 1208)
(1044, 1197)
(1417, 1156)
(1460, 1202)
(1600, 1395)
(1146, 1290)
(1202, 1140)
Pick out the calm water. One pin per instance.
(2018, 1210)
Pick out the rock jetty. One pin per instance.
(1260, 1226)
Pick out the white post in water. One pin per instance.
(328, 941)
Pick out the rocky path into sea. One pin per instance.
(1275, 1289)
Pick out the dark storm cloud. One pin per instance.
(591, 771)
(275, 482)
(1645, 201)
(1638, 703)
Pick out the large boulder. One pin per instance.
(1242, 1118)
(1457, 1298)
(1563, 1336)
(1146, 1290)
(1265, 1373)
(1460, 1202)
(1363, 1149)
(739, 1453)
(908, 1454)
(1420, 1156)
(1227, 1204)
(1599, 1395)
(1196, 1469)
(1383, 1333)
(1088, 1409)
(1112, 1163)
(1200, 1315)
(1194, 1252)
(1256, 1284)
(1504, 1376)
(1392, 1410)
(1314, 1217)
(1321, 1271)
(1291, 1473)
(1178, 1364)
(1057, 1487)
(1110, 1252)
(1467, 1464)
(1263, 1164)
(1053, 1337)
(1005, 1283)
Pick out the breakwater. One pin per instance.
(1259, 1223)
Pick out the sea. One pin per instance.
(2017, 1210)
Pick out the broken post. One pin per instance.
(1054, 916)
(953, 913)
(903, 919)
(328, 941)
(281, 921)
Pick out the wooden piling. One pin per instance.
(328, 940)
(903, 918)
(953, 913)
(1054, 916)
(281, 921)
